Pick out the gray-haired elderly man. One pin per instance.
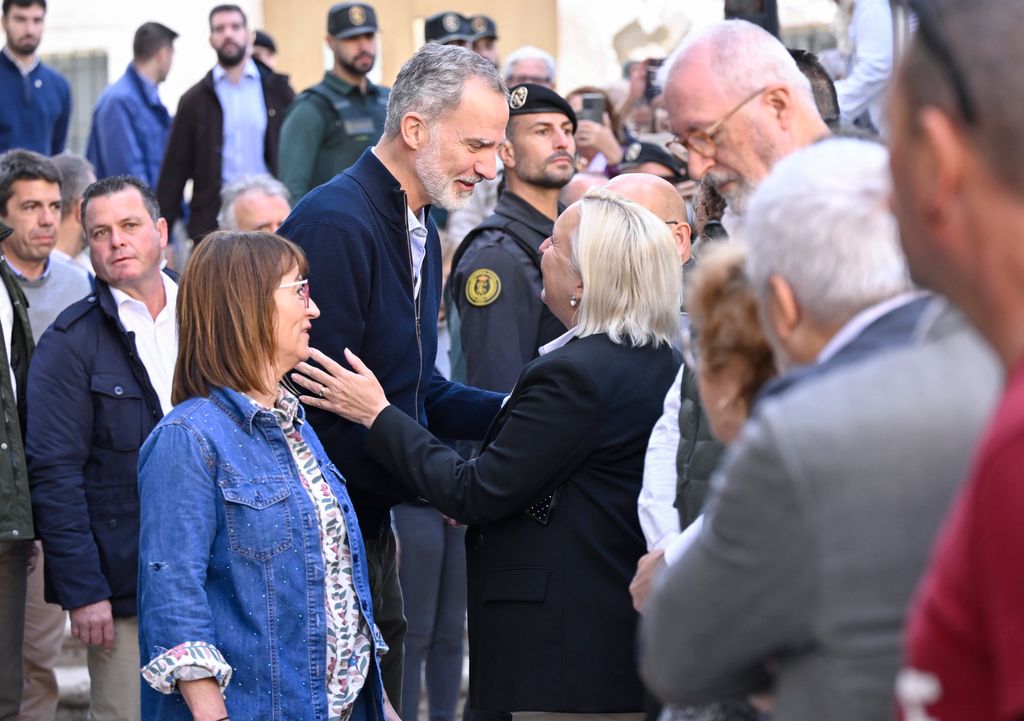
(375, 273)
(822, 515)
(254, 202)
(738, 103)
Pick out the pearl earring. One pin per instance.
(573, 302)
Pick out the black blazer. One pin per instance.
(552, 626)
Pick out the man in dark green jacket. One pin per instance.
(16, 529)
(330, 124)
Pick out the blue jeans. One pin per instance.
(432, 571)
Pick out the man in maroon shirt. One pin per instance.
(957, 124)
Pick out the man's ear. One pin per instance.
(681, 234)
(507, 154)
(780, 100)
(414, 131)
(945, 154)
(783, 311)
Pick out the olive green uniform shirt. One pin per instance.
(325, 131)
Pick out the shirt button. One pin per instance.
(118, 390)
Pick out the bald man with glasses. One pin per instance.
(738, 103)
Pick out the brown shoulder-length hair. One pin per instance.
(226, 311)
(723, 306)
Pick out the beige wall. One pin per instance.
(298, 27)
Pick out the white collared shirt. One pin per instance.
(7, 323)
(245, 122)
(856, 325)
(156, 339)
(558, 342)
(418, 245)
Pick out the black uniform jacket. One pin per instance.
(502, 330)
(552, 626)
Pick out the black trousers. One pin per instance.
(388, 611)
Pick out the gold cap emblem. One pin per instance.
(356, 15)
(479, 25)
(518, 98)
(451, 23)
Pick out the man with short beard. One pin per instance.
(496, 280)
(227, 125)
(330, 124)
(738, 104)
(375, 273)
(37, 100)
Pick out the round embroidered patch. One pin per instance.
(483, 287)
(633, 152)
(479, 25)
(356, 15)
(451, 22)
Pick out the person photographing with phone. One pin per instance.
(600, 137)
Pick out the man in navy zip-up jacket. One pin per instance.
(375, 273)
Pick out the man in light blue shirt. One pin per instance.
(227, 125)
(245, 119)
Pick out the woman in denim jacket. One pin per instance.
(253, 594)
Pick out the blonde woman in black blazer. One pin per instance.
(551, 500)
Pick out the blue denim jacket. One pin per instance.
(230, 554)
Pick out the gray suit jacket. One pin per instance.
(818, 528)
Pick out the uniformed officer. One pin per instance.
(330, 125)
(448, 28)
(655, 160)
(496, 280)
(485, 37)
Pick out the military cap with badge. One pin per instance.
(530, 99)
(640, 154)
(346, 20)
(447, 27)
(483, 27)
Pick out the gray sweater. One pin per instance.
(61, 285)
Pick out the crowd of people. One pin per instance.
(695, 392)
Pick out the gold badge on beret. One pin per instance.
(479, 25)
(518, 98)
(356, 15)
(633, 152)
(483, 287)
(451, 22)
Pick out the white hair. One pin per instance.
(627, 260)
(821, 221)
(230, 193)
(528, 52)
(744, 57)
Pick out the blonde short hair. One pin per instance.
(630, 269)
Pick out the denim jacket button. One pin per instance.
(118, 390)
